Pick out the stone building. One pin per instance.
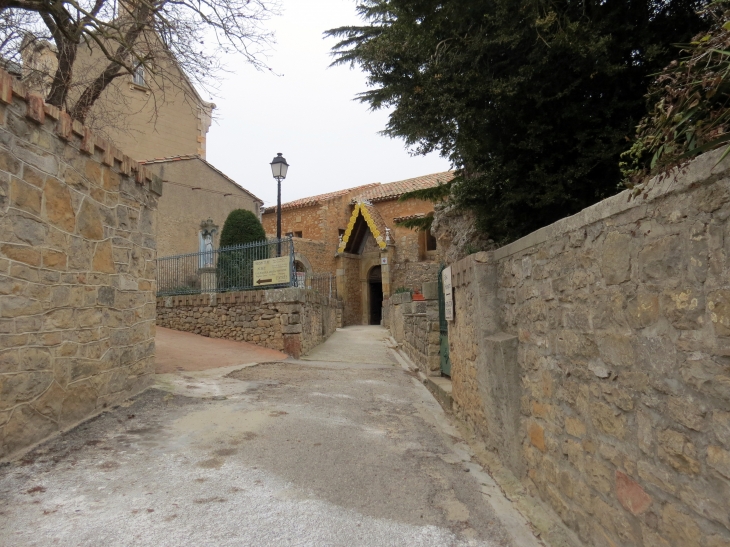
(194, 190)
(353, 234)
(163, 126)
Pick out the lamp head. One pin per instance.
(279, 167)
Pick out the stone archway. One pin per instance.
(299, 257)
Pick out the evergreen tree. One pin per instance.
(532, 101)
(235, 266)
(241, 227)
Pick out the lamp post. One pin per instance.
(279, 167)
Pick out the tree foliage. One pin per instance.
(531, 100)
(128, 34)
(235, 265)
(691, 104)
(241, 227)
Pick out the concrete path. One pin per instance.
(312, 453)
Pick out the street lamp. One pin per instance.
(279, 167)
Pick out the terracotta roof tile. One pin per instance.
(408, 217)
(394, 190)
(314, 200)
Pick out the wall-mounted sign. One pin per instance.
(272, 271)
(384, 260)
(448, 293)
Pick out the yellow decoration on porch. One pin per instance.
(360, 208)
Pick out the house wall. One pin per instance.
(181, 209)
(165, 118)
(593, 357)
(318, 255)
(290, 320)
(349, 288)
(77, 271)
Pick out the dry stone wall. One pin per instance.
(415, 326)
(290, 320)
(77, 271)
(594, 357)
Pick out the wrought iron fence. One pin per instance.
(221, 270)
(324, 283)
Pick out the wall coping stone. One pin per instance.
(263, 296)
(66, 128)
(703, 170)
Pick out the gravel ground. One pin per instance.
(295, 453)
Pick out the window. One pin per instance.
(289, 234)
(138, 77)
(297, 234)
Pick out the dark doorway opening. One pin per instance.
(375, 284)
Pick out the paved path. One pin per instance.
(314, 453)
(183, 351)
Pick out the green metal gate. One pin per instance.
(443, 328)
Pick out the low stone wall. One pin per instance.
(77, 271)
(594, 357)
(290, 320)
(415, 326)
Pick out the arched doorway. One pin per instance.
(375, 293)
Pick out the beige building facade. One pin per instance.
(194, 191)
(146, 115)
(161, 122)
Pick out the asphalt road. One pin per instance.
(333, 451)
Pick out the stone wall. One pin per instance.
(412, 275)
(77, 271)
(415, 326)
(317, 256)
(594, 357)
(290, 320)
(351, 292)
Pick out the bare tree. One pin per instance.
(159, 37)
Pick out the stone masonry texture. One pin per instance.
(415, 326)
(290, 320)
(77, 271)
(594, 357)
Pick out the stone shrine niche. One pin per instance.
(206, 242)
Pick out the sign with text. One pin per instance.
(448, 293)
(272, 271)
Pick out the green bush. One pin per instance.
(691, 104)
(235, 267)
(241, 227)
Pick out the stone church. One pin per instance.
(354, 235)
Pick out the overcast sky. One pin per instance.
(308, 114)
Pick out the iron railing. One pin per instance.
(324, 283)
(221, 270)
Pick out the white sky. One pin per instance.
(308, 114)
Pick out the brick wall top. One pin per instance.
(73, 131)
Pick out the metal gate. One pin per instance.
(443, 328)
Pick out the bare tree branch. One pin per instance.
(193, 34)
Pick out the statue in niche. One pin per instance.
(207, 230)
